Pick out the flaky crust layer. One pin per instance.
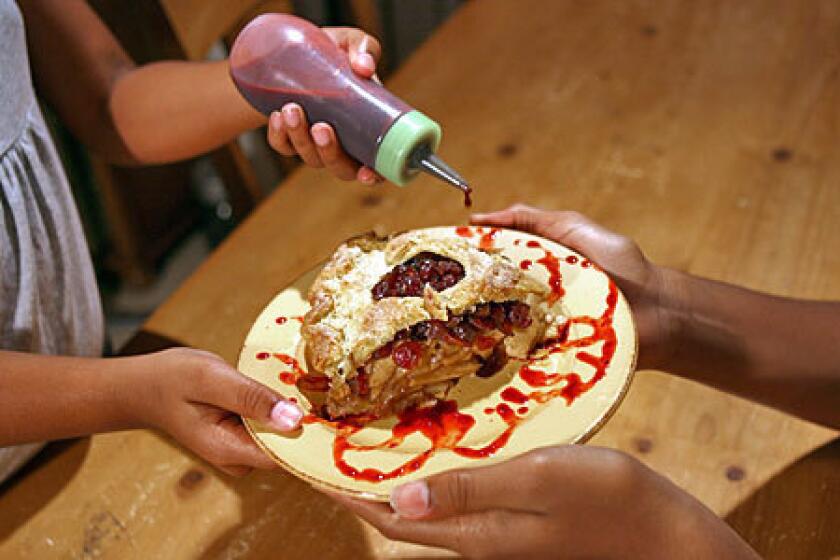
(345, 325)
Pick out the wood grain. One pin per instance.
(707, 131)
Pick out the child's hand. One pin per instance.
(556, 502)
(197, 398)
(647, 286)
(289, 132)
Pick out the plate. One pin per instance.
(563, 395)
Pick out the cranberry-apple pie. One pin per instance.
(395, 322)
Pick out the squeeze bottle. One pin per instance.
(279, 59)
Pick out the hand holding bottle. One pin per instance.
(280, 60)
(289, 132)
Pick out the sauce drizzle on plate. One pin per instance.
(442, 424)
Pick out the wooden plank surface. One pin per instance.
(707, 131)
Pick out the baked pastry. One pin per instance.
(395, 322)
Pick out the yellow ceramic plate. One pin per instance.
(564, 408)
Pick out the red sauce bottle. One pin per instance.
(279, 59)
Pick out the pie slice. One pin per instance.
(396, 322)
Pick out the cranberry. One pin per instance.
(420, 331)
(383, 351)
(380, 290)
(519, 315)
(482, 323)
(462, 331)
(407, 354)
(482, 310)
(437, 330)
(411, 277)
(498, 314)
(426, 270)
(409, 284)
(485, 342)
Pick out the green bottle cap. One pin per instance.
(409, 132)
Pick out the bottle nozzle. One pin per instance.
(425, 160)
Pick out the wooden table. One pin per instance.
(707, 131)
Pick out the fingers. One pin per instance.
(522, 217)
(277, 137)
(228, 446)
(236, 471)
(297, 129)
(568, 227)
(368, 176)
(363, 50)
(332, 156)
(222, 386)
(486, 534)
(467, 491)
(318, 146)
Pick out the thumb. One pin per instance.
(519, 216)
(364, 52)
(229, 389)
(461, 492)
(567, 227)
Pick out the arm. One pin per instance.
(777, 351)
(130, 115)
(165, 111)
(193, 395)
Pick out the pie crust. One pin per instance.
(384, 350)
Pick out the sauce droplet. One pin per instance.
(555, 279)
(488, 240)
(299, 377)
(514, 395)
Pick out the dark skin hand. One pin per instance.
(158, 113)
(556, 502)
(709, 331)
(575, 501)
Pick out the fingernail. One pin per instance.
(291, 116)
(367, 176)
(411, 500)
(478, 217)
(365, 60)
(285, 416)
(275, 121)
(321, 136)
